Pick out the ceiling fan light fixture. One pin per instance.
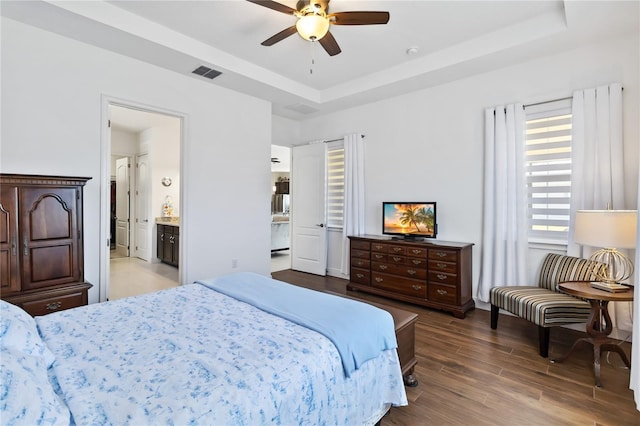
(312, 27)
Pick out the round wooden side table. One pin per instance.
(599, 326)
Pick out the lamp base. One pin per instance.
(610, 287)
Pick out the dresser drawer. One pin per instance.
(397, 250)
(360, 254)
(441, 254)
(379, 257)
(406, 286)
(360, 276)
(418, 263)
(389, 248)
(442, 293)
(55, 303)
(417, 252)
(409, 261)
(360, 245)
(360, 263)
(402, 270)
(442, 278)
(441, 266)
(383, 248)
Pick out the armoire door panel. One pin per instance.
(50, 219)
(51, 264)
(48, 215)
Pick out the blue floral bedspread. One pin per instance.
(191, 355)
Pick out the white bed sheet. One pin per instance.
(190, 355)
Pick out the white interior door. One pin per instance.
(122, 207)
(142, 232)
(309, 231)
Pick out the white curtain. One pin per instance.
(353, 194)
(634, 381)
(504, 230)
(597, 175)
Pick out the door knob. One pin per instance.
(321, 225)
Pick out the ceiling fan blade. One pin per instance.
(330, 44)
(280, 36)
(274, 5)
(359, 18)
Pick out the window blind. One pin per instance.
(548, 171)
(335, 185)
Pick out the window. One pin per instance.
(548, 171)
(335, 184)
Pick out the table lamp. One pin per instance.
(612, 230)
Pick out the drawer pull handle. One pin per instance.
(416, 287)
(53, 306)
(441, 254)
(396, 258)
(383, 267)
(442, 265)
(442, 276)
(416, 261)
(397, 249)
(416, 251)
(411, 272)
(379, 256)
(360, 263)
(379, 280)
(378, 247)
(360, 275)
(442, 292)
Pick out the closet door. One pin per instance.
(49, 236)
(9, 263)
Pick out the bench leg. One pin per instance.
(543, 336)
(494, 316)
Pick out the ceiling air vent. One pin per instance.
(206, 72)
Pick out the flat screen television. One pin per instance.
(409, 220)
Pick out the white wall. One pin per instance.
(123, 144)
(52, 89)
(164, 157)
(428, 145)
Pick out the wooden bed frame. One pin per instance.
(404, 322)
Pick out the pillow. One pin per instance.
(26, 395)
(18, 331)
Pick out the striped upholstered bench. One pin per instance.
(543, 304)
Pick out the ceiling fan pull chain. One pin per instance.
(313, 60)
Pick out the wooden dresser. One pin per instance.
(41, 242)
(431, 273)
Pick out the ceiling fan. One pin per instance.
(314, 21)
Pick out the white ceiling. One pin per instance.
(454, 39)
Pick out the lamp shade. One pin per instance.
(312, 27)
(606, 228)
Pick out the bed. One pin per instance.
(202, 354)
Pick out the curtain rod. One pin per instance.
(336, 140)
(552, 100)
(548, 102)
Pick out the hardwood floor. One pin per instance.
(472, 375)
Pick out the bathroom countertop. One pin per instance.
(171, 221)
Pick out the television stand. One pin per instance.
(435, 274)
(408, 238)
